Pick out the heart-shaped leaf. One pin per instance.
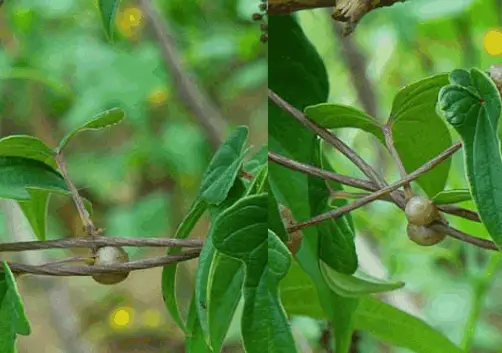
(13, 320)
(471, 104)
(419, 133)
(241, 233)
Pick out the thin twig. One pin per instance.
(327, 136)
(324, 174)
(194, 99)
(377, 194)
(91, 242)
(389, 142)
(92, 270)
(457, 234)
(68, 260)
(362, 184)
(379, 181)
(82, 211)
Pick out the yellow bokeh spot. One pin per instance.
(133, 15)
(493, 42)
(151, 318)
(121, 317)
(158, 96)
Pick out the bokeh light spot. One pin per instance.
(121, 317)
(493, 42)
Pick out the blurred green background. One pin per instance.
(57, 70)
(390, 48)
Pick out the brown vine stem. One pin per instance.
(143, 264)
(328, 137)
(362, 184)
(324, 174)
(379, 182)
(377, 194)
(389, 142)
(91, 242)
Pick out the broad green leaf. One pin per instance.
(299, 295)
(419, 133)
(224, 168)
(107, 9)
(102, 120)
(27, 147)
(215, 299)
(357, 284)
(225, 292)
(471, 104)
(241, 233)
(13, 320)
(336, 239)
(452, 196)
(334, 116)
(297, 74)
(169, 271)
(18, 174)
(217, 181)
(398, 328)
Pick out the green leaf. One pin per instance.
(194, 342)
(169, 271)
(217, 182)
(225, 292)
(336, 239)
(224, 168)
(27, 147)
(299, 295)
(241, 233)
(357, 284)
(396, 327)
(471, 104)
(389, 324)
(452, 196)
(297, 74)
(334, 116)
(35, 210)
(419, 133)
(18, 174)
(102, 120)
(107, 9)
(13, 320)
(218, 281)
